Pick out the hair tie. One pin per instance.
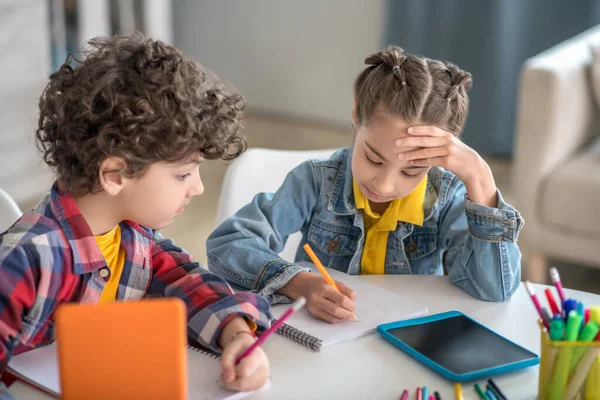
(395, 67)
(403, 83)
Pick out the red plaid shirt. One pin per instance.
(50, 257)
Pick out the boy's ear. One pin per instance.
(110, 175)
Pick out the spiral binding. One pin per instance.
(300, 337)
(198, 348)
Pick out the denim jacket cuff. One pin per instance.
(500, 224)
(273, 276)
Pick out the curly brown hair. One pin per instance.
(413, 87)
(137, 99)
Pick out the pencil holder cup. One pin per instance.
(569, 370)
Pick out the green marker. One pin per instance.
(557, 333)
(558, 383)
(557, 329)
(480, 392)
(587, 335)
(573, 322)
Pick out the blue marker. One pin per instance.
(424, 392)
(557, 317)
(568, 306)
(557, 329)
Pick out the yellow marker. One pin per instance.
(458, 391)
(592, 387)
(584, 371)
(322, 269)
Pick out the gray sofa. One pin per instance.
(557, 164)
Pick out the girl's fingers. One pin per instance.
(427, 130)
(421, 141)
(423, 153)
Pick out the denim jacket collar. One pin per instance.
(342, 197)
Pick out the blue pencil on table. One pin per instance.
(490, 395)
(497, 389)
(494, 392)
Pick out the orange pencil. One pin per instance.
(322, 269)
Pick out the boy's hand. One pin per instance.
(253, 371)
(442, 149)
(322, 300)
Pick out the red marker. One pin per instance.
(553, 306)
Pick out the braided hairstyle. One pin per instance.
(415, 88)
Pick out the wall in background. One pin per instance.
(298, 59)
(490, 39)
(24, 45)
(35, 36)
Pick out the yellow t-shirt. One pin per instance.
(378, 227)
(114, 254)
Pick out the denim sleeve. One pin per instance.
(244, 249)
(483, 257)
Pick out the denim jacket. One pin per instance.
(475, 244)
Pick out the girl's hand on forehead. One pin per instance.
(438, 148)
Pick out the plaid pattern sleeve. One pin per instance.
(17, 293)
(211, 302)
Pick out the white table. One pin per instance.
(371, 368)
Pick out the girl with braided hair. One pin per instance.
(407, 198)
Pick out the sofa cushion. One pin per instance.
(570, 197)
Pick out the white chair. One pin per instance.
(261, 170)
(9, 211)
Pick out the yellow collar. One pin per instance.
(407, 209)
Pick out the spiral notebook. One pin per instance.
(374, 306)
(121, 351)
(39, 368)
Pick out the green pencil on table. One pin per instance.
(480, 392)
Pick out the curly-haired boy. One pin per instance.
(124, 131)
